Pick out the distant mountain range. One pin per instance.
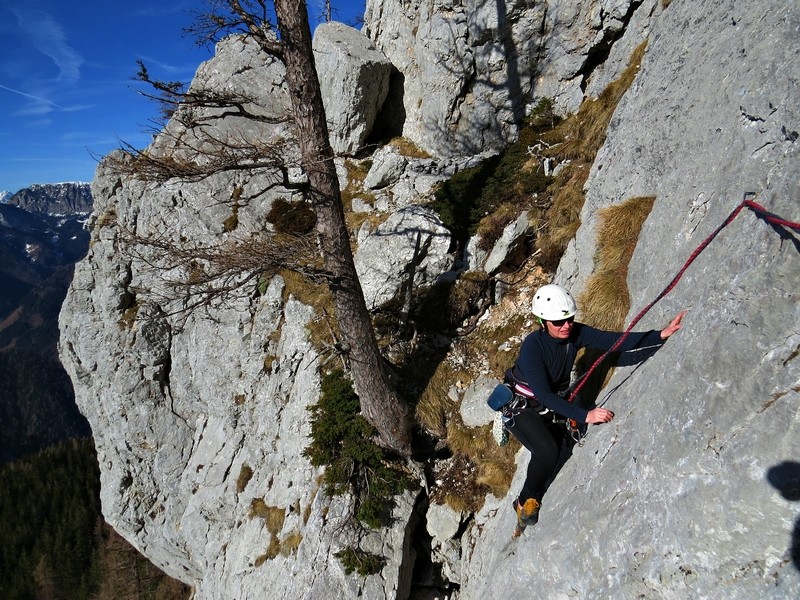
(42, 235)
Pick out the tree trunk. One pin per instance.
(380, 403)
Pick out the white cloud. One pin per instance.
(48, 37)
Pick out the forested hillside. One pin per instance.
(54, 542)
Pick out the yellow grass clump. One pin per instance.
(322, 328)
(605, 299)
(245, 474)
(435, 406)
(274, 518)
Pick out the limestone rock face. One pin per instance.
(470, 70)
(387, 167)
(199, 405)
(409, 249)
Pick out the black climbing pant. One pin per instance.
(546, 441)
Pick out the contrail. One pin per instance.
(32, 97)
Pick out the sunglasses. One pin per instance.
(560, 322)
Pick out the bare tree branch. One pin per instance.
(224, 17)
(208, 276)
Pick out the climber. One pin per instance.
(541, 375)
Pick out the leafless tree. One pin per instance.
(289, 40)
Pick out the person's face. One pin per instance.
(560, 329)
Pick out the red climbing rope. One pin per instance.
(747, 202)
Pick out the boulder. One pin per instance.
(474, 410)
(509, 249)
(410, 248)
(354, 77)
(442, 522)
(387, 167)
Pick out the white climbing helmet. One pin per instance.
(552, 302)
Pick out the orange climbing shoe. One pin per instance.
(527, 514)
(528, 510)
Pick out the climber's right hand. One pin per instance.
(599, 415)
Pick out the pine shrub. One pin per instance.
(342, 442)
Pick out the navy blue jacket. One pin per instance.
(544, 362)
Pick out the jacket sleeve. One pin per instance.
(590, 337)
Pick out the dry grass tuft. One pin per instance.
(497, 473)
(107, 219)
(128, 317)
(577, 139)
(273, 516)
(258, 508)
(491, 227)
(290, 543)
(479, 467)
(605, 298)
(322, 328)
(585, 131)
(245, 474)
(618, 231)
(261, 559)
(274, 520)
(273, 549)
(356, 174)
(470, 441)
(408, 148)
(435, 406)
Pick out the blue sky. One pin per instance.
(66, 88)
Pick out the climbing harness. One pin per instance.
(748, 202)
(524, 396)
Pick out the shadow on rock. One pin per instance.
(785, 477)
